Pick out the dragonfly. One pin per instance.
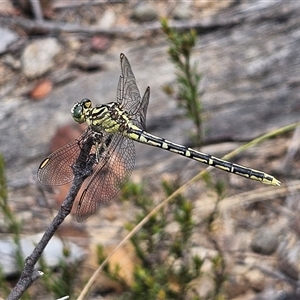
(114, 126)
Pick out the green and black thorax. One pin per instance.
(109, 117)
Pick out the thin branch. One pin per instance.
(72, 4)
(277, 275)
(82, 169)
(37, 10)
(227, 18)
(138, 30)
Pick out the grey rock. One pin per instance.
(265, 241)
(52, 254)
(6, 38)
(144, 12)
(182, 11)
(108, 19)
(38, 57)
(289, 257)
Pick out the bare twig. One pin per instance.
(58, 27)
(37, 10)
(82, 169)
(277, 275)
(229, 19)
(72, 4)
(138, 30)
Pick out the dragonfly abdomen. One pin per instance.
(144, 137)
(232, 167)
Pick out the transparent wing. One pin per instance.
(129, 96)
(139, 117)
(56, 169)
(114, 169)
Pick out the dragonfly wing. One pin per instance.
(128, 93)
(129, 96)
(140, 116)
(56, 169)
(113, 170)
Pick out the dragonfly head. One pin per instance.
(79, 110)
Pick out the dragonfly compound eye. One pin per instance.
(77, 113)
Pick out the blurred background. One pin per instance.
(245, 56)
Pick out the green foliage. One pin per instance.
(4, 288)
(5, 211)
(61, 281)
(112, 273)
(166, 268)
(13, 226)
(218, 261)
(188, 78)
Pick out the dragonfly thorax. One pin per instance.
(109, 117)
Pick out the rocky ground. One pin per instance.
(248, 55)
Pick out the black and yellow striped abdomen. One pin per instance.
(146, 138)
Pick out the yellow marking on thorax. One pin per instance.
(100, 118)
